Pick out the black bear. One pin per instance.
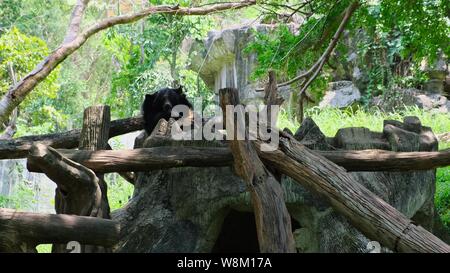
(159, 105)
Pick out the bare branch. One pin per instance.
(331, 46)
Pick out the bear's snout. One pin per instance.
(167, 107)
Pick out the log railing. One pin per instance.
(146, 159)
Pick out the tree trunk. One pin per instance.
(271, 98)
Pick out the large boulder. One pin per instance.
(221, 60)
(434, 102)
(340, 95)
(209, 209)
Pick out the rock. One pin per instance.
(341, 94)
(221, 62)
(433, 102)
(414, 97)
(209, 209)
(437, 73)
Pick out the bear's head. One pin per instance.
(160, 104)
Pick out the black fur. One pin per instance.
(159, 105)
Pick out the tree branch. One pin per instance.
(313, 72)
(75, 20)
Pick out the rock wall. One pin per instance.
(221, 62)
(209, 209)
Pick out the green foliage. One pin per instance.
(119, 191)
(23, 53)
(392, 32)
(330, 120)
(412, 27)
(442, 197)
(149, 59)
(22, 197)
(422, 26)
(398, 35)
(9, 12)
(44, 248)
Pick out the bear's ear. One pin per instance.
(179, 90)
(149, 98)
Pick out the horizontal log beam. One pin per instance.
(38, 228)
(19, 147)
(381, 160)
(146, 159)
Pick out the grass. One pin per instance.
(330, 120)
(119, 191)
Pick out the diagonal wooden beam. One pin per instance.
(273, 223)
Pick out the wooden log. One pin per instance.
(371, 215)
(79, 190)
(22, 231)
(19, 147)
(128, 176)
(273, 223)
(381, 160)
(68, 175)
(147, 159)
(94, 136)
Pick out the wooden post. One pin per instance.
(79, 190)
(271, 95)
(273, 223)
(94, 136)
(301, 112)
